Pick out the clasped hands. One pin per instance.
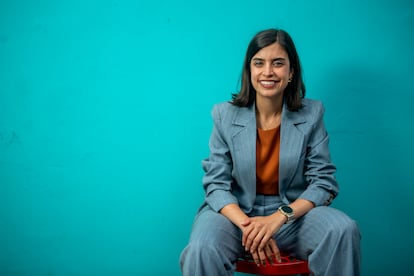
(258, 239)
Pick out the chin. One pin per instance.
(270, 94)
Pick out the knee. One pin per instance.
(344, 227)
(213, 239)
(213, 246)
(202, 248)
(199, 253)
(334, 222)
(352, 228)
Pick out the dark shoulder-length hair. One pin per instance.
(294, 92)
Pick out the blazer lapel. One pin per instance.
(244, 144)
(291, 145)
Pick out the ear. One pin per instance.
(291, 73)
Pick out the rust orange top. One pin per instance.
(267, 161)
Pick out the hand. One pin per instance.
(270, 254)
(257, 231)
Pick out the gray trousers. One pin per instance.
(325, 236)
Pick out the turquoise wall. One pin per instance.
(105, 117)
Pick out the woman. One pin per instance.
(269, 177)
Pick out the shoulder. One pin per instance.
(225, 107)
(311, 108)
(226, 111)
(311, 111)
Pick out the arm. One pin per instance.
(319, 171)
(236, 215)
(217, 180)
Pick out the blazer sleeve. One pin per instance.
(217, 180)
(319, 170)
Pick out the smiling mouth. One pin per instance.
(268, 83)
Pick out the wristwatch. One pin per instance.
(288, 212)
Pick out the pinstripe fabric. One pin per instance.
(325, 236)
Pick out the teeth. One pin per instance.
(267, 82)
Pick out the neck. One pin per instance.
(269, 107)
(268, 113)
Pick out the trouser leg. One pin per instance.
(214, 246)
(330, 240)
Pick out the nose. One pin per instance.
(268, 70)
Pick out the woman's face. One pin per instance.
(270, 71)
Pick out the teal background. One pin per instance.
(105, 117)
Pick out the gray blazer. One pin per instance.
(305, 169)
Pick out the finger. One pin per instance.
(256, 259)
(257, 241)
(264, 241)
(262, 257)
(269, 253)
(275, 250)
(246, 234)
(250, 240)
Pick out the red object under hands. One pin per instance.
(288, 266)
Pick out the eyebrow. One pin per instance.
(278, 58)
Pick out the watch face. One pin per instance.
(287, 209)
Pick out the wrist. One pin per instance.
(279, 217)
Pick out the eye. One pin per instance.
(258, 63)
(278, 63)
